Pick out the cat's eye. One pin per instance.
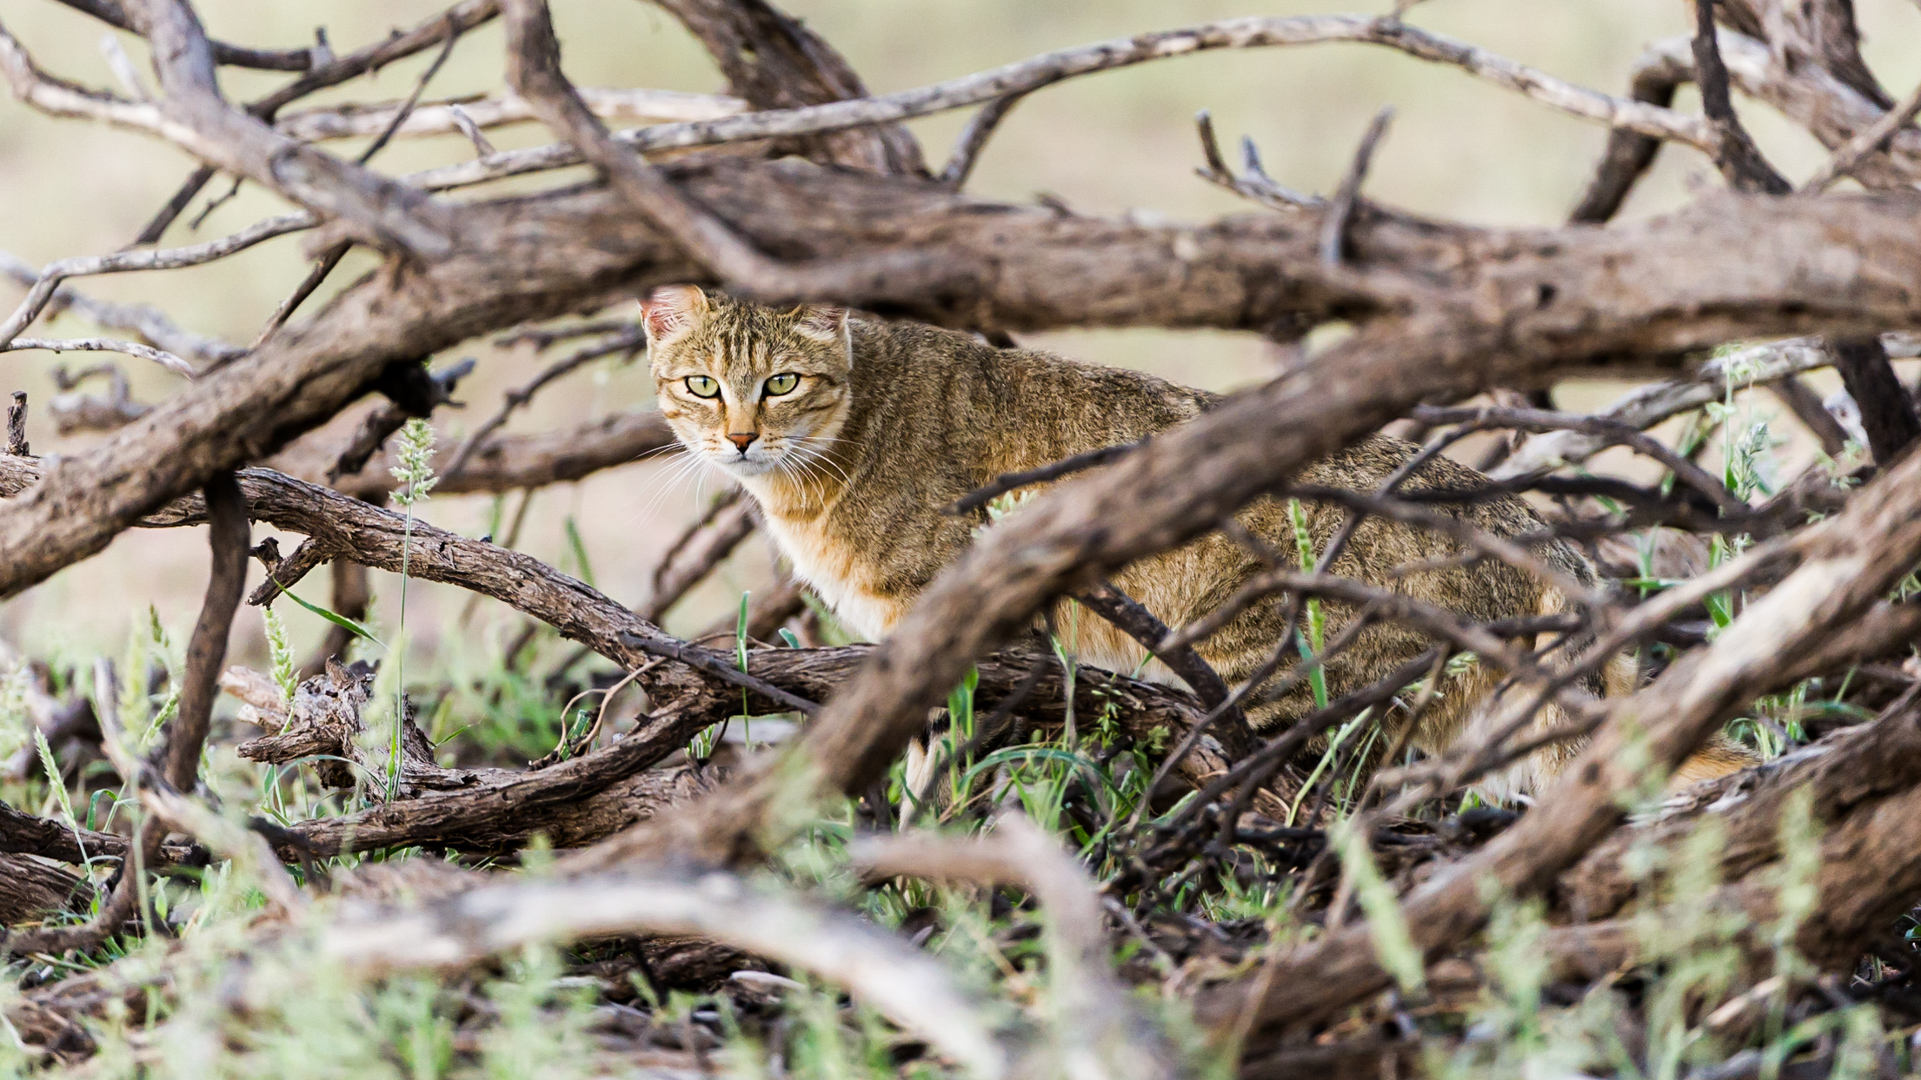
(782, 383)
(703, 386)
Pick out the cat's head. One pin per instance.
(751, 389)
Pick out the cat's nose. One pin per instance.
(742, 442)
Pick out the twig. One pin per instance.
(43, 290)
(1739, 160)
(228, 536)
(1341, 210)
(469, 116)
(974, 139)
(1253, 183)
(1014, 481)
(1032, 74)
(629, 339)
(697, 551)
(149, 322)
(17, 425)
(534, 71)
(1649, 405)
(112, 13)
(460, 18)
(1609, 431)
(1887, 409)
(144, 352)
(897, 980)
(1134, 620)
(316, 275)
(1872, 141)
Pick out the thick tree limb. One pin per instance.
(228, 536)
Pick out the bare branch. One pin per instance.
(17, 425)
(1030, 75)
(112, 13)
(1871, 141)
(228, 535)
(499, 110)
(144, 352)
(149, 322)
(898, 981)
(1341, 210)
(1739, 160)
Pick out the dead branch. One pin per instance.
(498, 110)
(898, 981)
(228, 535)
(1735, 154)
(630, 342)
(1098, 1030)
(775, 62)
(149, 322)
(1645, 407)
(131, 348)
(1040, 71)
(1340, 212)
(696, 553)
(1873, 140)
(1887, 410)
(114, 14)
(17, 426)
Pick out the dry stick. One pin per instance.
(1887, 409)
(193, 114)
(1253, 183)
(1629, 153)
(131, 348)
(373, 537)
(460, 18)
(1610, 431)
(533, 69)
(1734, 153)
(631, 339)
(1813, 414)
(1133, 618)
(1871, 141)
(974, 139)
(149, 322)
(469, 116)
(112, 13)
(331, 258)
(1014, 481)
(1341, 211)
(1649, 405)
(43, 291)
(228, 536)
(1097, 1030)
(17, 425)
(900, 982)
(1032, 74)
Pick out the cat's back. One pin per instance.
(1015, 408)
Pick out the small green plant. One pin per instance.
(284, 675)
(415, 451)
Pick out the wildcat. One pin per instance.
(852, 435)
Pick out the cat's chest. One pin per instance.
(835, 570)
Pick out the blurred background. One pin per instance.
(1121, 142)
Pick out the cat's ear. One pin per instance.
(825, 324)
(671, 310)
